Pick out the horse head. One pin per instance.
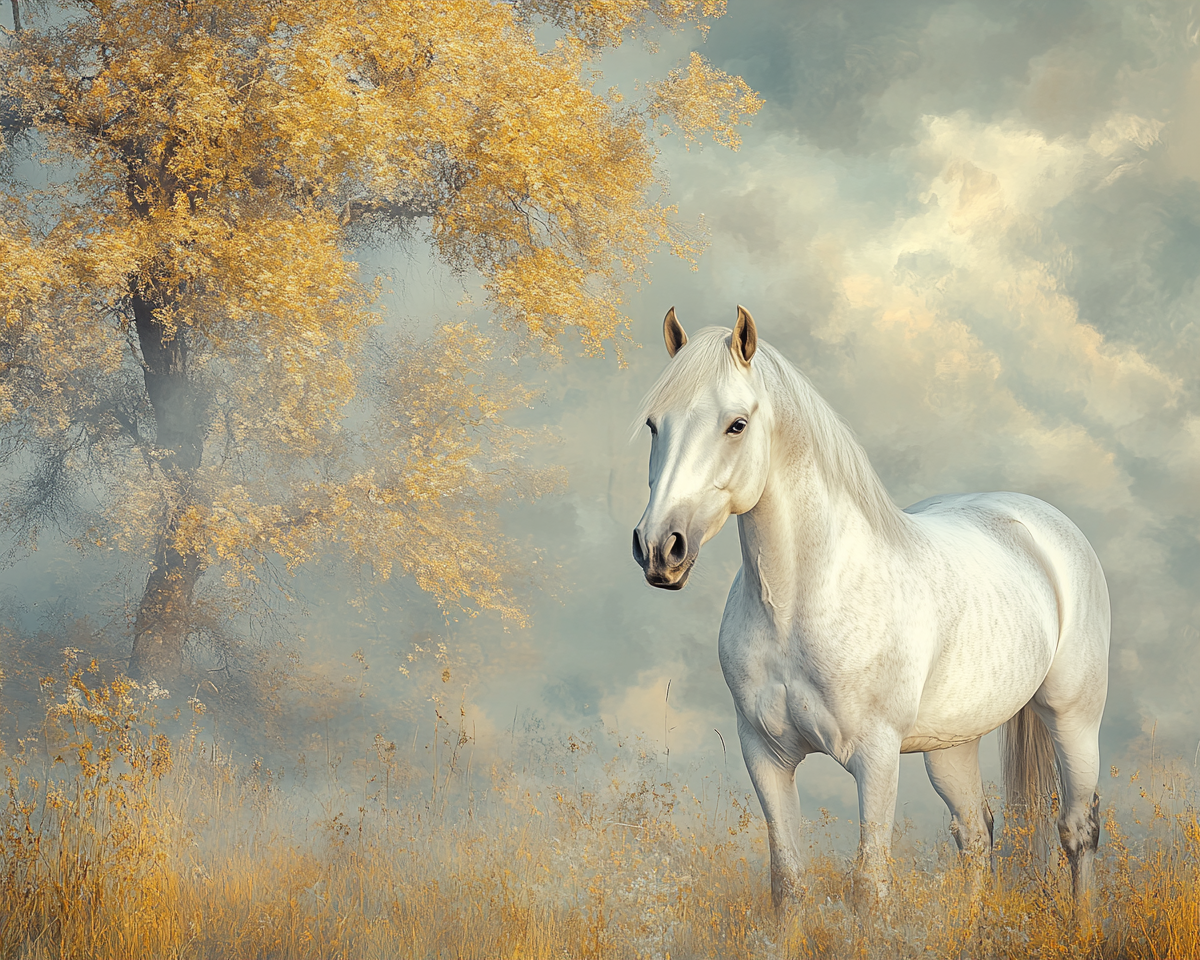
(711, 423)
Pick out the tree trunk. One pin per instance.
(164, 616)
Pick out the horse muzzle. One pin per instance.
(665, 563)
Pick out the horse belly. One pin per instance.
(989, 668)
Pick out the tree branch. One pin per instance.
(357, 209)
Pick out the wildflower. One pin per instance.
(155, 692)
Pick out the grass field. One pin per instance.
(118, 841)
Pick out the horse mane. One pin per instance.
(839, 456)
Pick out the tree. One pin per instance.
(184, 326)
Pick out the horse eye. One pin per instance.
(653, 429)
(737, 426)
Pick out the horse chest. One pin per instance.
(796, 711)
(791, 720)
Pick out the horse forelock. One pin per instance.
(706, 358)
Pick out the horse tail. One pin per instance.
(1030, 780)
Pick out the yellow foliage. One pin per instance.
(705, 99)
(229, 141)
(182, 314)
(424, 504)
(607, 22)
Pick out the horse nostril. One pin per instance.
(676, 549)
(638, 553)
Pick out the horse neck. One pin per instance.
(808, 526)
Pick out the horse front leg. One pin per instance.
(876, 769)
(775, 783)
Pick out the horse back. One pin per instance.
(1029, 528)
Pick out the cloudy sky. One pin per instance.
(976, 228)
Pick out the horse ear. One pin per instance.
(673, 333)
(744, 341)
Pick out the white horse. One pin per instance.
(862, 631)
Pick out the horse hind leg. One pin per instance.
(1078, 754)
(1079, 831)
(954, 773)
(1074, 736)
(1070, 703)
(1070, 700)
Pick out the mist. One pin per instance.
(976, 228)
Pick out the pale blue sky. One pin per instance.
(976, 228)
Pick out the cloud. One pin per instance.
(981, 261)
(976, 227)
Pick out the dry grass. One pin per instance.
(117, 843)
